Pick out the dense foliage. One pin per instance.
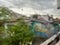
(16, 34)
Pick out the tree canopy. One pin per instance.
(19, 33)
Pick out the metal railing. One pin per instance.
(54, 39)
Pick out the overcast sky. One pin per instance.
(28, 7)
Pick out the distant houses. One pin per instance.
(57, 20)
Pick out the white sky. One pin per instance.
(28, 7)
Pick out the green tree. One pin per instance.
(35, 16)
(6, 13)
(19, 33)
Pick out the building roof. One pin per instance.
(57, 21)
